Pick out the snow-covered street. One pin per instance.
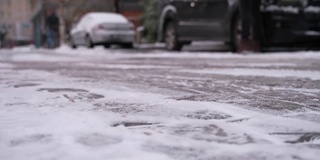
(99, 104)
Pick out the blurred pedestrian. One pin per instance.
(52, 22)
(3, 34)
(250, 21)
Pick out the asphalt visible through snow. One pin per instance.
(159, 105)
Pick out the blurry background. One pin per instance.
(25, 19)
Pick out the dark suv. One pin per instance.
(284, 22)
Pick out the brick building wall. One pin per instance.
(132, 9)
(16, 16)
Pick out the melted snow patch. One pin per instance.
(65, 49)
(38, 57)
(124, 66)
(314, 75)
(260, 64)
(24, 48)
(5, 65)
(219, 55)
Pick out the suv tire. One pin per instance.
(171, 37)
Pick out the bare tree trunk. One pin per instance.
(116, 6)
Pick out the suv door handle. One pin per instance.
(192, 3)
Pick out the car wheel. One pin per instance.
(236, 30)
(106, 45)
(89, 43)
(73, 45)
(171, 38)
(128, 45)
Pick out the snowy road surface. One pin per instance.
(122, 104)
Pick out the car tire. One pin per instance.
(128, 45)
(73, 45)
(89, 43)
(171, 38)
(106, 45)
(236, 33)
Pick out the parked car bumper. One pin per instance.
(112, 37)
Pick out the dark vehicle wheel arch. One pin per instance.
(168, 14)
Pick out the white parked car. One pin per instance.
(100, 28)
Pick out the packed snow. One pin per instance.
(314, 75)
(117, 104)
